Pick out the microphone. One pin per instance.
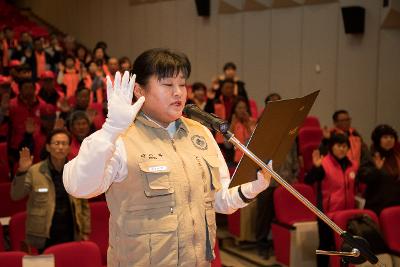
(209, 120)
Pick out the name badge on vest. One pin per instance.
(158, 168)
(199, 142)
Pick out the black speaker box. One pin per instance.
(203, 8)
(353, 19)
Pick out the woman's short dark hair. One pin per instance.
(229, 65)
(338, 138)
(199, 86)
(58, 131)
(380, 131)
(77, 115)
(336, 114)
(162, 63)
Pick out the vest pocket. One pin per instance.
(151, 240)
(36, 221)
(213, 164)
(157, 181)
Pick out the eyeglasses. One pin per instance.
(58, 143)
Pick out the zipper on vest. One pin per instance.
(190, 193)
(173, 144)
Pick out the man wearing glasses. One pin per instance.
(53, 216)
(358, 151)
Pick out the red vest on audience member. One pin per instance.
(19, 113)
(338, 185)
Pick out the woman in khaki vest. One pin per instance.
(164, 175)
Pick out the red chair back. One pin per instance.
(390, 220)
(1, 238)
(290, 210)
(217, 261)
(311, 121)
(4, 167)
(100, 215)
(309, 135)
(343, 216)
(17, 231)
(8, 206)
(11, 258)
(77, 254)
(306, 152)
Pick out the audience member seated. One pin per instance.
(242, 124)
(35, 136)
(81, 102)
(25, 108)
(93, 78)
(358, 150)
(229, 74)
(79, 125)
(5, 93)
(113, 67)
(199, 92)
(381, 173)
(125, 64)
(53, 216)
(334, 176)
(49, 92)
(68, 76)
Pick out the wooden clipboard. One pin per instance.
(274, 135)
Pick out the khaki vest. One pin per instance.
(163, 214)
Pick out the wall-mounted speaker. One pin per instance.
(353, 19)
(203, 8)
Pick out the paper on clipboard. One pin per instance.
(274, 135)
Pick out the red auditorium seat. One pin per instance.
(311, 121)
(309, 135)
(100, 214)
(4, 167)
(390, 220)
(8, 206)
(217, 261)
(77, 254)
(289, 211)
(1, 238)
(341, 218)
(17, 233)
(11, 258)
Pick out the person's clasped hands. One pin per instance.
(121, 112)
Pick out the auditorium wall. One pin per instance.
(292, 50)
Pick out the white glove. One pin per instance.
(252, 189)
(121, 112)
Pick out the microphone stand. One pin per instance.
(360, 251)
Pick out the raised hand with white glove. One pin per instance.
(121, 112)
(252, 189)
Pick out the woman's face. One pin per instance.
(200, 94)
(241, 111)
(83, 99)
(69, 63)
(340, 150)
(99, 53)
(227, 89)
(165, 98)
(387, 142)
(80, 128)
(93, 68)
